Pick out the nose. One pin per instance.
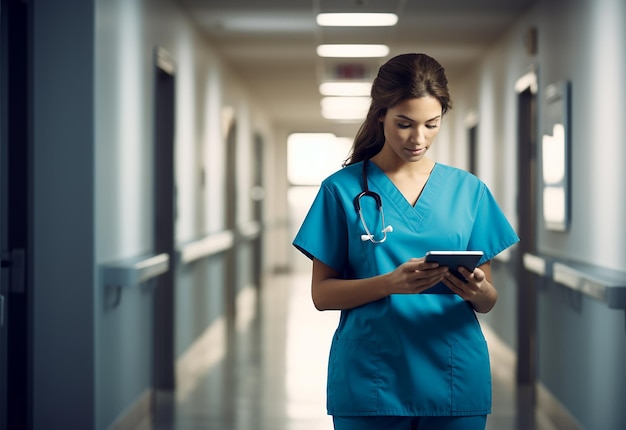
(419, 135)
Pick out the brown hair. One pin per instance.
(403, 77)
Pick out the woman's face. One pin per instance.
(411, 127)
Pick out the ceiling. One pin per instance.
(271, 44)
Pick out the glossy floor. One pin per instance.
(267, 370)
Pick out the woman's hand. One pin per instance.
(478, 289)
(414, 276)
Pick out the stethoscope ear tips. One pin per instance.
(388, 229)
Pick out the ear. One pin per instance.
(383, 114)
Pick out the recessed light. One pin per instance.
(357, 19)
(339, 88)
(352, 51)
(345, 108)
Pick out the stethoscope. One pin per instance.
(379, 205)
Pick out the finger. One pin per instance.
(430, 276)
(454, 288)
(427, 277)
(467, 274)
(479, 275)
(422, 265)
(453, 282)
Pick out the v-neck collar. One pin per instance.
(394, 199)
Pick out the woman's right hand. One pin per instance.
(414, 276)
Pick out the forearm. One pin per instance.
(483, 303)
(338, 294)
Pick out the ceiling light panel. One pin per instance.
(353, 51)
(345, 108)
(339, 88)
(357, 19)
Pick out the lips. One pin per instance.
(417, 151)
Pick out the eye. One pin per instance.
(403, 125)
(432, 126)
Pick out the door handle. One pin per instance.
(15, 261)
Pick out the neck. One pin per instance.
(397, 165)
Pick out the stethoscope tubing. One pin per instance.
(379, 206)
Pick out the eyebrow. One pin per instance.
(412, 120)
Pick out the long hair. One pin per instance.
(403, 77)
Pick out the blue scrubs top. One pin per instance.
(405, 355)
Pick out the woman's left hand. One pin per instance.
(477, 290)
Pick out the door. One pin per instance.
(163, 353)
(472, 140)
(527, 229)
(231, 281)
(15, 207)
(258, 196)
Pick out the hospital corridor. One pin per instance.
(158, 163)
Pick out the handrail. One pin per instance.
(209, 245)
(606, 285)
(133, 271)
(601, 283)
(539, 265)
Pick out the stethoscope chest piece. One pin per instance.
(379, 206)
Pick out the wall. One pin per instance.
(126, 35)
(581, 342)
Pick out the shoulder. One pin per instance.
(344, 176)
(460, 177)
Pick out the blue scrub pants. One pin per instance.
(410, 423)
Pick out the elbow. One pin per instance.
(319, 302)
(319, 305)
(483, 310)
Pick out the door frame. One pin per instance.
(15, 213)
(163, 340)
(526, 88)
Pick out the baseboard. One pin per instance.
(136, 414)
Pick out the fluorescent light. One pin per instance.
(352, 51)
(357, 19)
(338, 88)
(345, 108)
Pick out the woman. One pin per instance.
(409, 352)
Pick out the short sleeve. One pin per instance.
(492, 233)
(323, 233)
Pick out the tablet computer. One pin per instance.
(454, 259)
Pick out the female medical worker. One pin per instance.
(409, 352)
